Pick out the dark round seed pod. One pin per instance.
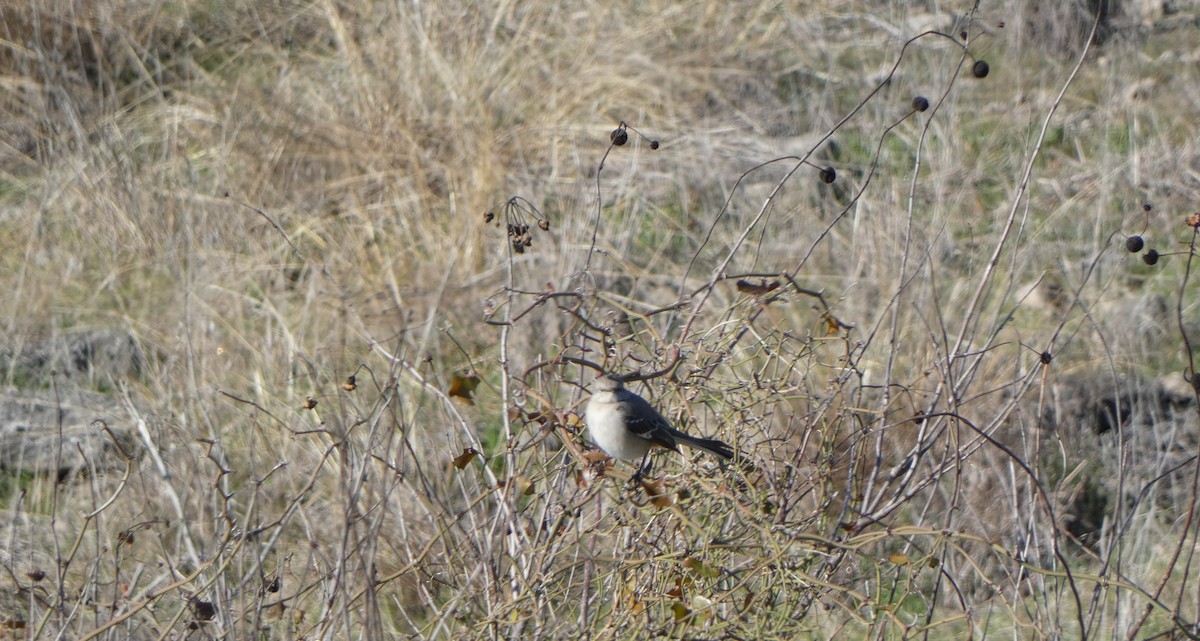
(205, 610)
(619, 136)
(1147, 207)
(828, 175)
(654, 144)
(920, 103)
(1150, 257)
(1134, 244)
(1046, 357)
(980, 69)
(489, 217)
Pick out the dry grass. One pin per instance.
(272, 197)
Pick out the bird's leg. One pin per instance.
(642, 470)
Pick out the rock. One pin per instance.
(42, 433)
(103, 354)
(1101, 405)
(115, 353)
(1157, 425)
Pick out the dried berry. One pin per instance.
(1046, 357)
(980, 69)
(1150, 257)
(544, 224)
(828, 175)
(1147, 207)
(920, 103)
(654, 144)
(204, 610)
(489, 217)
(1134, 244)
(619, 136)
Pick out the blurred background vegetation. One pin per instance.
(257, 229)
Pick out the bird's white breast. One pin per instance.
(608, 429)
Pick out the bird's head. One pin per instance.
(607, 383)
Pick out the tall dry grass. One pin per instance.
(276, 197)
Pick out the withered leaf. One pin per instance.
(468, 455)
(595, 456)
(523, 485)
(701, 568)
(677, 591)
(657, 491)
(831, 325)
(762, 288)
(462, 386)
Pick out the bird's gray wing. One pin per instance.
(642, 420)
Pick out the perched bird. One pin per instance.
(626, 427)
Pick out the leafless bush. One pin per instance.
(880, 258)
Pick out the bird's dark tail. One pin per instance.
(719, 449)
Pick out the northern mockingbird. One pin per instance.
(626, 427)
